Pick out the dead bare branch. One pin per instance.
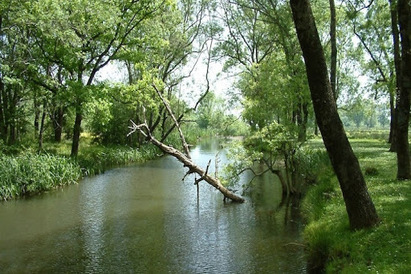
(196, 181)
(170, 112)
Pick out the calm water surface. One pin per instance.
(144, 219)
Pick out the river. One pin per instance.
(144, 219)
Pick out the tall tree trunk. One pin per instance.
(393, 123)
(403, 150)
(41, 129)
(3, 127)
(79, 115)
(12, 132)
(58, 120)
(302, 120)
(76, 133)
(333, 37)
(36, 117)
(12, 117)
(397, 61)
(358, 203)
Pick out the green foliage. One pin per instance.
(211, 117)
(376, 134)
(274, 138)
(54, 50)
(240, 160)
(112, 108)
(364, 113)
(381, 249)
(30, 173)
(312, 163)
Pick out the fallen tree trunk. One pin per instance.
(144, 129)
(193, 168)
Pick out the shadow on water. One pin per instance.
(144, 219)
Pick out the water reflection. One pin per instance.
(92, 211)
(144, 219)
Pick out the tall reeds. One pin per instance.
(98, 159)
(30, 173)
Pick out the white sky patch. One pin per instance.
(113, 72)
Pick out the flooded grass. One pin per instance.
(383, 249)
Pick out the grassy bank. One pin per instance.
(383, 249)
(25, 172)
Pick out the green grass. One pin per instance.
(383, 249)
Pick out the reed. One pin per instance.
(30, 173)
(95, 160)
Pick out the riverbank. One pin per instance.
(331, 245)
(25, 172)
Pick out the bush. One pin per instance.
(312, 163)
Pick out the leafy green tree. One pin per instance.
(211, 112)
(180, 34)
(355, 112)
(383, 115)
(13, 84)
(80, 38)
(273, 82)
(376, 28)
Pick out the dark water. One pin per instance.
(144, 219)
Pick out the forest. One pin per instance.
(315, 93)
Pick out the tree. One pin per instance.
(210, 112)
(333, 38)
(273, 82)
(371, 25)
(403, 150)
(79, 38)
(397, 65)
(13, 67)
(175, 43)
(359, 206)
(356, 112)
